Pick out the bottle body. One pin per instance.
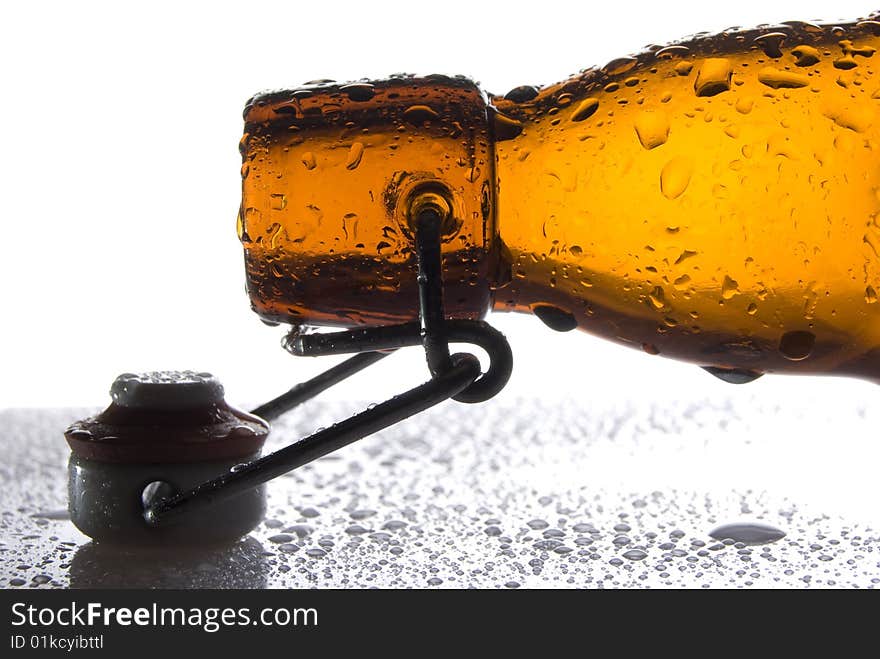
(714, 201)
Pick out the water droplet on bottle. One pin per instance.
(308, 160)
(675, 50)
(652, 128)
(417, 115)
(684, 68)
(744, 105)
(555, 318)
(278, 201)
(770, 43)
(657, 298)
(505, 127)
(805, 55)
(729, 288)
(355, 154)
(779, 79)
(585, 109)
(845, 62)
(733, 375)
(675, 176)
(619, 65)
(713, 77)
(797, 345)
(564, 100)
(850, 51)
(359, 91)
(848, 117)
(686, 254)
(522, 94)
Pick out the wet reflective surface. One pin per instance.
(511, 494)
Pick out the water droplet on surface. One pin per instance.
(635, 555)
(280, 538)
(750, 533)
(675, 176)
(55, 515)
(797, 345)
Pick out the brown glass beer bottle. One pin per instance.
(714, 201)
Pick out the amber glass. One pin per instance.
(329, 172)
(714, 201)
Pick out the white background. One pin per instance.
(120, 180)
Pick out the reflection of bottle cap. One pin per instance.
(167, 417)
(166, 390)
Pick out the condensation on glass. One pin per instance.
(715, 200)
